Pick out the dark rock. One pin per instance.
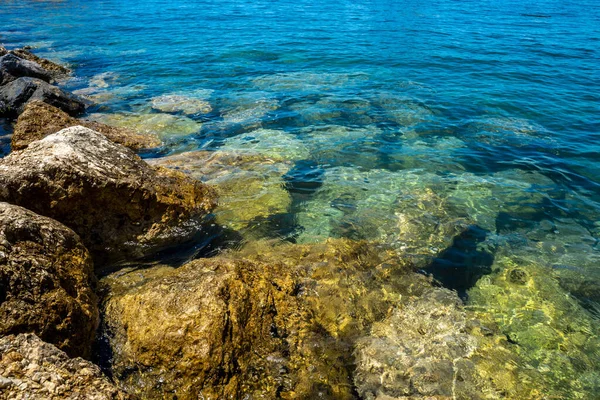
(3, 51)
(18, 93)
(46, 281)
(32, 369)
(119, 205)
(39, 120)
(13, 67)
(56, 70)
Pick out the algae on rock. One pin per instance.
(47, 281)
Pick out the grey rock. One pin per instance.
(13, 67)
(119, 205)
(33, 369)
(16, 94)
(46, 281)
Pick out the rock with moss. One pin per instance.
(119, 205)
(39, 120)
(16, 94)
(46, 281)
(13, 67)
(33, 369)
(550, 328)
(269, 321)
(250, 185)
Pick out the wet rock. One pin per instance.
(46, 281)
(39, 120)
(250, 186)
(180, 103)
(431, 347)
(3, 51)
(118, 204)
(269, 321)
(32, 369)
(550, 328)
(18, 93)
(56, 70)
(164, 125)
(13, 67)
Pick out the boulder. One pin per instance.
(3, 51)
(18, 93)
(56, 70)
(119, 205)
(39, 120)
(46, 281)
(33, 369)
(13, 67)
(267, 322)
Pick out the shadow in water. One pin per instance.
(460, 266)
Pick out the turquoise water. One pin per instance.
(464, 134)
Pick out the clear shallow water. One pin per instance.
(403, 122)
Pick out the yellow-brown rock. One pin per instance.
(39, 120)
(46, 281)
(119, 205)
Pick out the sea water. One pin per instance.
(462, 134)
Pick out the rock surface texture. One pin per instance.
(46, 281)
(13, 67)
(119, 205)
(56, 70)
(16, 94)
(39, 120)
(33, 369)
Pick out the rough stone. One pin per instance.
(46, 281)
(18, 93)
(39, 120)
(267, 322)
(119, 205)
(33, 369)
(13, 67)
(55, 69)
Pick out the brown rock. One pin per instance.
(46, 281)
(32, 369)
(39, 120)
(119, 205)
(3, 51)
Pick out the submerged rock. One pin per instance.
(39, 120)
(271, 321)
(180, 103)
(18, 93)
(250, 186)
(46, 281)
(161, 124)
(13, 67)
(118, 204)
(56, 70)
(32, 369)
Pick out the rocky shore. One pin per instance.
(337, 319)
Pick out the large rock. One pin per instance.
(118, 204)
(13, 67)
(56, 70)
(39, 120)
(32, 369)
(269, 322)
(3, 51)
(46, 281)
(18, 93)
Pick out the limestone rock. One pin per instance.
(39, 120)
(32, 369)
(46, 281)
(13, 67)
(18, 93)
(56, 70)
(118, 204)
(271, 321)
